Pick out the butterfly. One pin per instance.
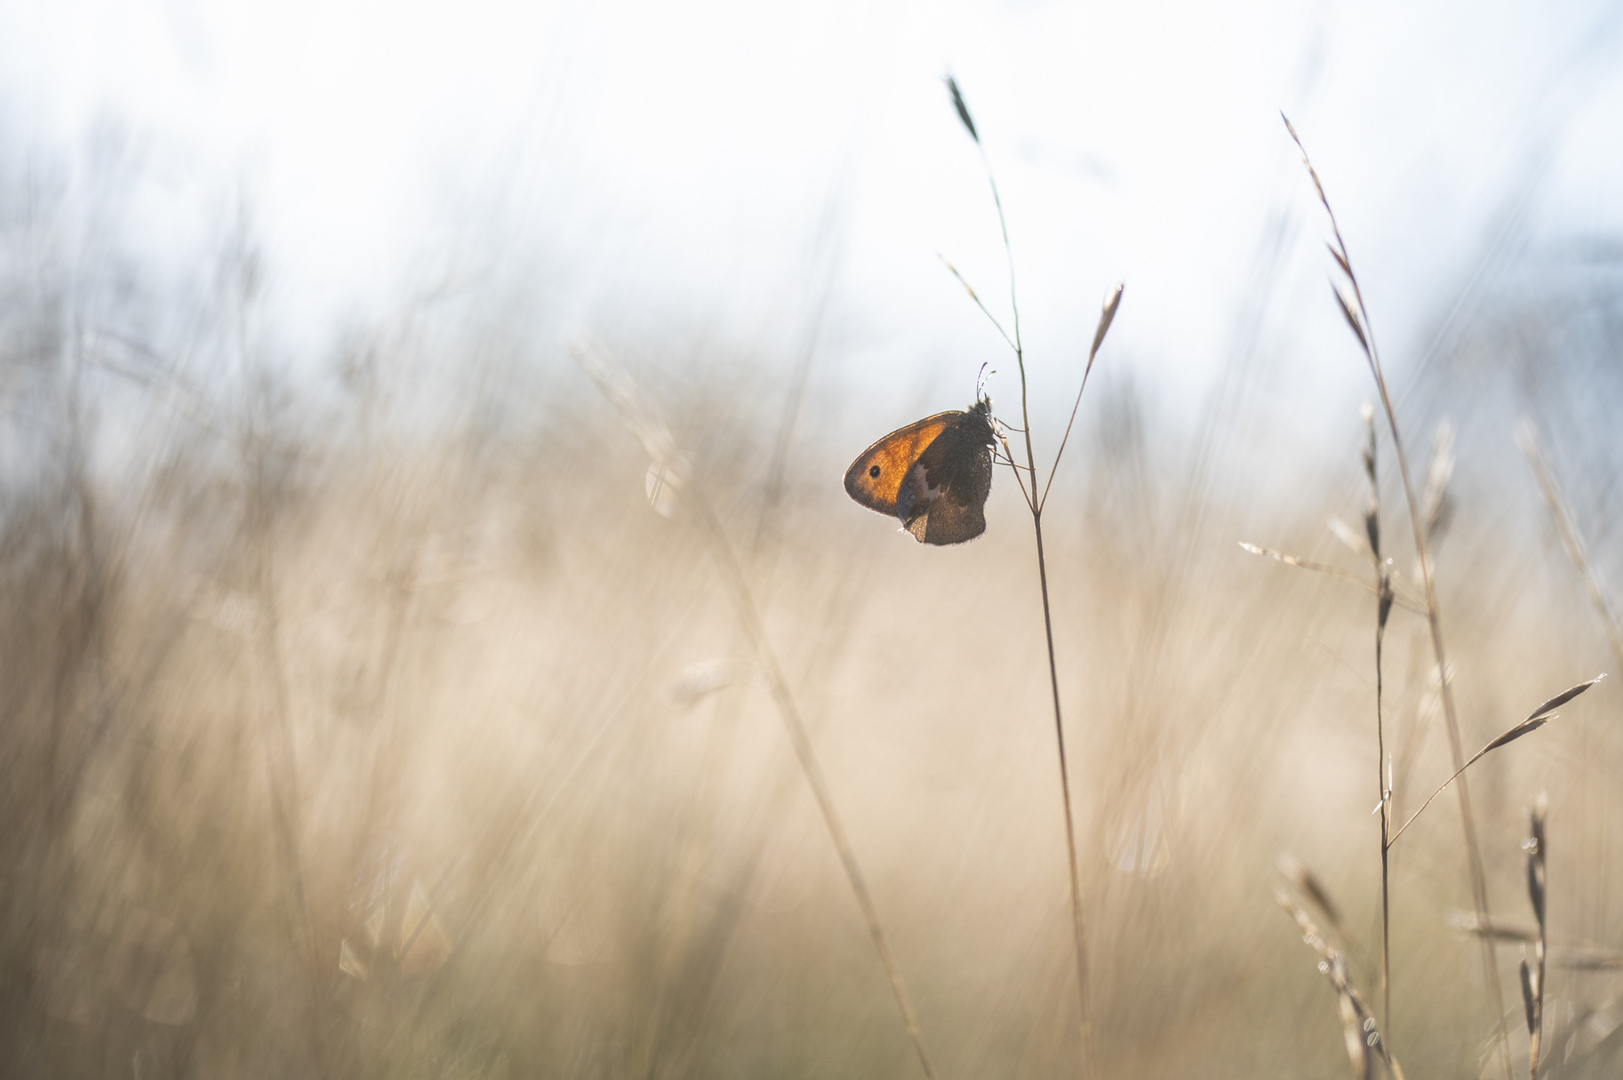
(934, 474)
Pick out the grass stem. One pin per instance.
(1034, 503)
(643, 419)
(1358, 321)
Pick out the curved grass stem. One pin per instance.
(1035, 499)
(1357, 316)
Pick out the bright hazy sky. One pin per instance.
(676, 158)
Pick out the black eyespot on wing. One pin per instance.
(873, 471)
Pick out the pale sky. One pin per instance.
(677, 157)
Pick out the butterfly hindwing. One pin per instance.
(943, 498)
(875, 478)
(933, 475)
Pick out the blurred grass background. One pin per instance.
(365, 721)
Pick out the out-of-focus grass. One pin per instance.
(345, 736)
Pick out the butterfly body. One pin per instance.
(933, 475)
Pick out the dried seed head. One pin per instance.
(1469, 923)
(963, 110)
(1436, 506)
(1526, 727)
(1536, 860)
(1309, 886)
(1107, 315)
(1358, 1050)
(1346, 535)
(1527, 995)
(1564, 697)
(1372, 529)
(1349, 313)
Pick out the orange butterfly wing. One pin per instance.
(875, 477)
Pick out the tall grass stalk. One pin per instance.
(1035, 500)
(1572, 539)
(1357, 316)
(1361, 1035)
(672, 486)
(1383, 609)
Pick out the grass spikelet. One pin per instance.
(1361, 1034)
(962, 109)
(1539, 717)
(1533, 977)
(1312, 889)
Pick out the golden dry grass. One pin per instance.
(287, 669)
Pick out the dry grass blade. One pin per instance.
(1495, 930)
(973, 295)
(642, 417)
(1323, 568)
(1473, 849)
(1360, 1034)
(1435, 503)
(1587, 958)
(1348, 313)
(1107, 315)
(1538, 719)
(1571, 539)
(1576, 957)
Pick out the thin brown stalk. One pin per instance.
(1358, 321)
(1360, 1032)
(643, 419)
(1383, 608)
(1571, 539)
(1077, 924)
(789, 711)
(1034, 503)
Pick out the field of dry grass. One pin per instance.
(371, 723)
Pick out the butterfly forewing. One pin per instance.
(875, 478)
